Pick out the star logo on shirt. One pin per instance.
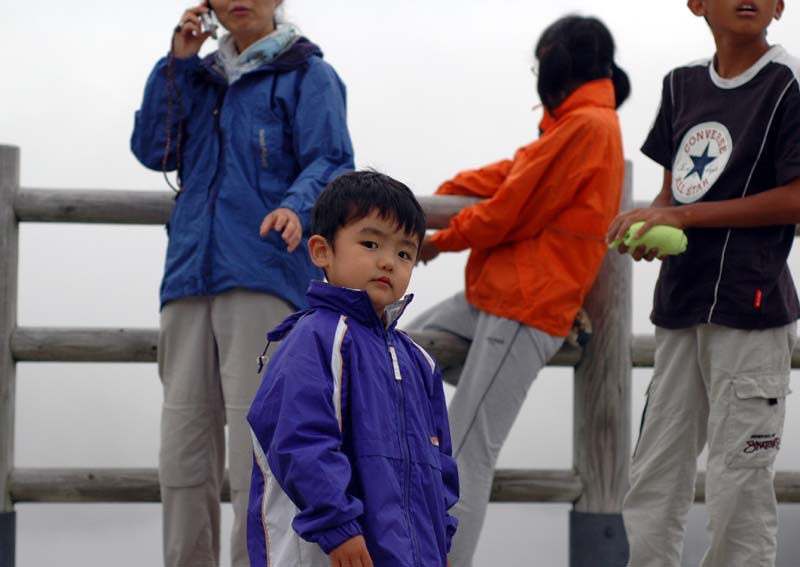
(699, 160)
(700, 163)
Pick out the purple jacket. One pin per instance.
(351, 437)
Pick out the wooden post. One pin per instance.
(9, 241)
(601, 418)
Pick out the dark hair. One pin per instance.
(572, 51)
(352, 196)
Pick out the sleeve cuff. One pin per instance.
(293, 203)
(451, 524)
(449, 240)
(332, 539)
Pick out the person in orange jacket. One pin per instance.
(537, 241)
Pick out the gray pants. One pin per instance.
(726, 387)
(207, 359)
(504, 358)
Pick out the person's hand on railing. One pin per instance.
(428, 251)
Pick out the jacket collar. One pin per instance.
(599, 93)
(292, 58)
(355, 303)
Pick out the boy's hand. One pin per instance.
(650, 217)
(428, 251)
(287, 223)
(352, 553)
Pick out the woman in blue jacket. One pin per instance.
(255, 131)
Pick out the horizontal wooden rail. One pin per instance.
(141, 485)
(59, 485)
(52, 344)
(89, 344)
(155, 207)
(93, 206)
(67, 344)
(644, 349)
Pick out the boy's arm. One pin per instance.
(528, 199)
(779, 206)
(482, 182)
(448, 463)
(304, 451)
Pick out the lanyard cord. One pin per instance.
(173, 94)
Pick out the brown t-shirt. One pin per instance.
(727, 139)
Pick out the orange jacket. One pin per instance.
(538, 238)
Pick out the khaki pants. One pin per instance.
(725, 387)
(207, 360)
(504, 358)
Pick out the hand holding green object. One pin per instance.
(668, 239)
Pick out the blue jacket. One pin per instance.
(351, 437)
(272, 139)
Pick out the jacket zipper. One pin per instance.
(398, 379)
(212, 193)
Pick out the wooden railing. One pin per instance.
(602, 422)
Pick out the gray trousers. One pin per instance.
(725, 387)
(207, 360)
(504, 358)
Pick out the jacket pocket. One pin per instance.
(755, 419)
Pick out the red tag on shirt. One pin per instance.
(757, 302)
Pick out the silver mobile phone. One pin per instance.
(208, 23)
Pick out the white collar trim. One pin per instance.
(775, 52)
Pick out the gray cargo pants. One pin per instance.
(207, 358)
(504, 358)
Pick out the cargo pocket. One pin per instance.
(186, 444)
(755, 419)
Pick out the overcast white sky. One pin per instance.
(434, 86)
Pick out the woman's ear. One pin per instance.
(320, 251)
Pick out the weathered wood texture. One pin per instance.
(94, 206)
(90, 344)
(9, 250)
(601, 410)
(65, 344)
(141, 485)
(155, 207)
(111, 344)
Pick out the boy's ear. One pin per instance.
(698, 7)
(320, 251)
(779, 9)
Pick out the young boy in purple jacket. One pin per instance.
(353, 462)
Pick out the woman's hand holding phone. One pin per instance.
(189, 34)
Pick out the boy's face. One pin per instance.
(373, 254)
(738, 17)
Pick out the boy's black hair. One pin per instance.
(352, 196)
(572, 51)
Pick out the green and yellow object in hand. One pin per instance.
(668, 239)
